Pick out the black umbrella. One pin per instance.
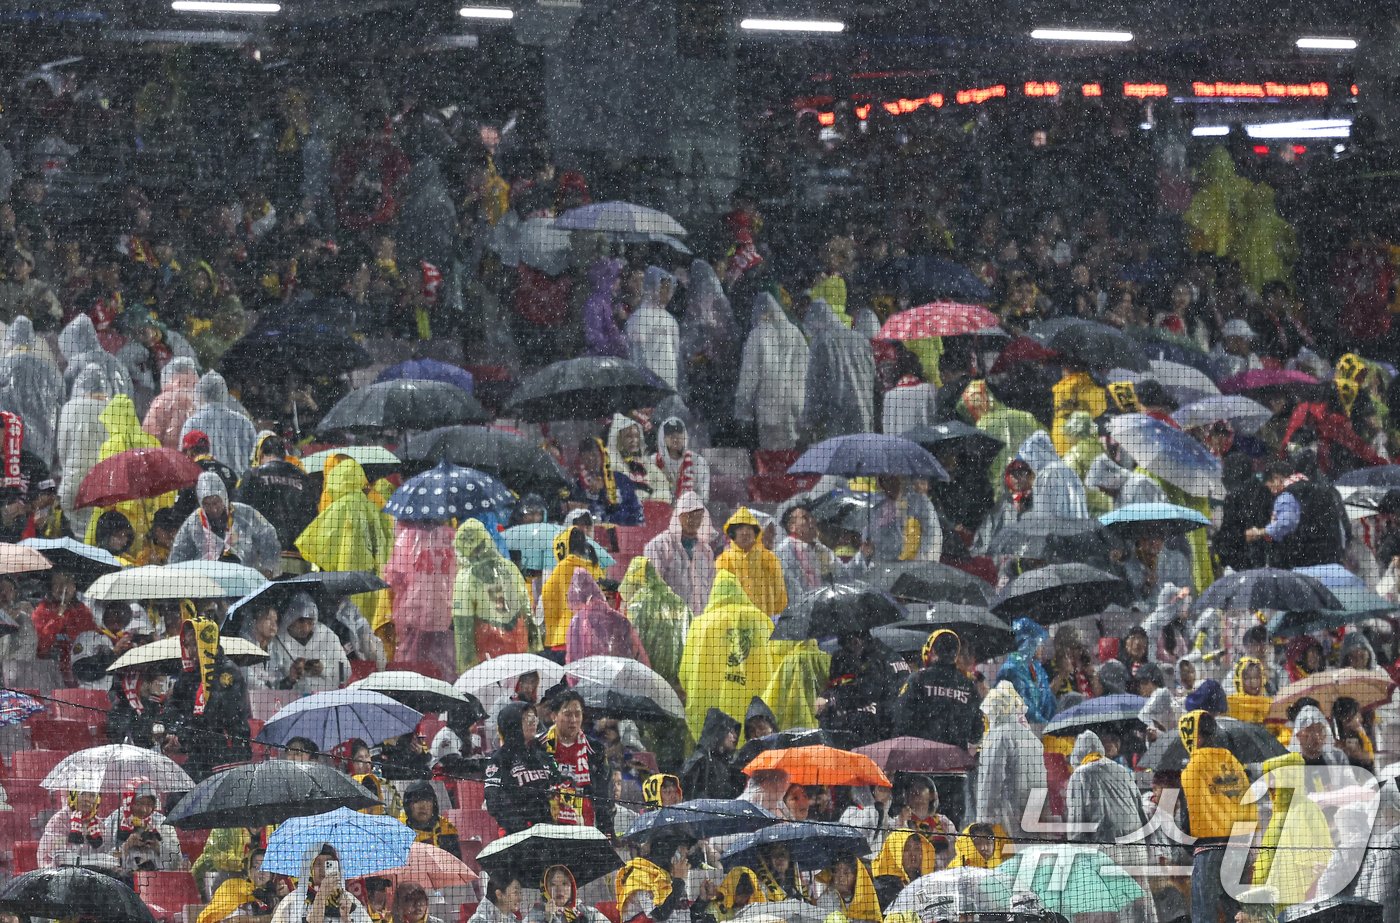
(1090, 343)
(515, 461)
(811, 846)
(955, 434)
(1249, 742)
(793, 737)
(68, 891)
(901, 638)
(1156, 343)
(85, 562)
(926, 278)
(257, 794)
(1268, 588)
(701, 819)
(279, 343)
(402, 404)
(843, 509)
(526, 855)
(975, 625)
(1061, 592)
(1335, 910)
(603, 702)
(586, 389)
(836, 609)
(325, 586)
(930, 582)
(1043, 537)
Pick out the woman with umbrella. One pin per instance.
(320, 894)
(490, 601)
(254, 892)
(143, 841)
(779, 878)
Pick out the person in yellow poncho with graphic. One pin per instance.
(757, 568)
(905, 856)
(1010, 427)
(659, 615)
(352, 533)
(737, 892)
(572, 551)
(124, 433)
(490, 601)
(1248, 702)
(850, 891)
(727, 655)
(980, 846)
(1214, 785)
(1076, 392)
(255, 894)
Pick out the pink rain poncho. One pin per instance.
(597, 628)
(687, 565)
(174, 404)
(421, 571)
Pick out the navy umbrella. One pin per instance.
(869, 455)
(1268, 588)
(700, 818)
(839, 608)
(1377, 476)
(811, 846)
(1109, 709)
(448, 492)
(430, 370)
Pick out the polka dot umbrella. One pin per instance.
(449, 492)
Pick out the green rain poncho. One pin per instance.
(1011, 427)
(727, 655)
(352, 533)
(1263, 243)
(803, 671)
(490, 601)
(1215, 209)
(659, 615)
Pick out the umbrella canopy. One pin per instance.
(136, 474)
(236, 580)
(280, 341)
(1042, 537)
(85, 562)
(623, 674)
(928, 278)
(326, 587)
(21, 559)
(851, 512)
(446, 493)
(1243, 414)
(259, 794)
(73, 892)
(1249, 742)
(914, 754)
(1061, 592)
(328, 719)
(110, 768)
(534, 542)
(418, 692)
(701, 818)
(493, 681)
(811, 846)
(1184, 383)
(955, 434)
(1358, 601)
(586, 389)
(975, 625)
(905, 641)
(1108, 709)
(939, 319)
(1267, 588)
(433, 868)
(377, 461)
(1158, 344)
(1377, 476)
(1169, 453)
(836, 609)
(585, 851)
(619, 218)
(1070, 878)
(515, 461)
(930, 582)
(869, 455)
(1136, 520)
(1368, 687)
(1090, 343)
(403, 403)
(606, 702)
(820, 765)
(429, 370)
(164, 655)
(1257, 380)
(154, 582)
(367, 843)
(954, 892)
(16, 706)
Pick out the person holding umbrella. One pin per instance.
(610, 495)
(860, 691)
(939, 703)
(254, 892)
(306, 656)
(320, 894)
(903, 525)
(647, 891)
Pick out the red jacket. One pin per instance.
(56, 630)
(1332, 429)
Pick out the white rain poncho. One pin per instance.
(79, 345)
(248, 537)
(653, 335)
(137, 358)
(231, 434)
(1379, 878)
(1058, 491)
(80, 438)
(31, 386)
(708, 331)
(322, 644)
(1011, 766)
(840, 398)
(641, 468)
(773, 376)
(173, 405)
(688, 472)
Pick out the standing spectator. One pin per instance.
(521, 778)
(420, 572)
(80, 438)
(758, 569)
(807, 564)
(165, 419)
(597, 628)
(231, 434)
(840, 396)
(1011, 766)
(939, 703)
(711, 771)
(59, 619)
(682, 554)
(772, 376)
(588, 803)
(490, 602)
(661, 617)
(727, 654)
(653, 335)
(224, 531)
(1214, 785)
(279, 490)
(573, 552)
(683, 469)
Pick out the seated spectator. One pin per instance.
(253, 894)
(75, 836)
(139, 835)
(423, 816)
(306, 655)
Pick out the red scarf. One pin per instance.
(908, 381)
(685, 478)
(129, 822)
(83, 826)
(131, 688)
(13, 435)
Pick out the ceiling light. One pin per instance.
(486, 12)
(792, 25)
(1318, 43)
(1080, 35)
(224, 6)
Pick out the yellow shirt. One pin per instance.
(1076, 391)
(759, 574)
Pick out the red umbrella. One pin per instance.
(914, 754)
(1021, 350)
(136, 474)
(1257, 379)
(939, 319)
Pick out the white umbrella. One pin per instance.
(154, 582)
(652, 238)
(415, 690)
(237, 580)
(961, 890)
(619, 218)
(1244, 415)
(364, 454)
(493, 681)
(626, 676)
(112, 767)
(166, 653)
(21, 559)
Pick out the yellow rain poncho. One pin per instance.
(351, 533)
(124, 432)
(890, 862)
(727, 654)
(1297, 845)
(1215, 209)
(865, 903)
(728, 888)
(1245, 707)
(1075, 393)
(967, 855)
(554, 597)
(802, 674)
(1264, 244)
(659, 615)
(758, 569)
(231, 895)
(1010, 427)
(490, 601)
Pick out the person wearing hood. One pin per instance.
(222, 531)
(601, 336)
(1024, 669)
(738, 891)
(979, 846)
(659, 616)
(423, 816)
(1058, 491)
(80, 437)
(596, 628)
(1249, 702)
(165, 418)
(905, 857)
(522, 778)
(860, 691)
(559, 901)
(1297, 844)
(79, 345)
(123, 434)
(421, 571)
(772, 376)
(653, 885)
(1213, 784)
(320, 896)
(1303, 657)
(587, 800)
(653, 335)
(709, 343)
(231, 434)
(912, 402)
(490, 601)
(759, 722)
(1379, 875)
(250, 891)
(1017, 502)
(712, 770)
(840, 393)
(1102, 801)
(572, 551)
(727, 654)
(610, 496)
(1075, 392)
(306, 656)
(1248, 505)
(627, 455)
(279, 490)
(31, 386)
(206, 716)
(74, 835)
(351, 532)
(139, 835)
(503, 898)
(1011, 765)
(683, 555)
(939, 703)
(903, 526)
(681, 468)
(758, 569)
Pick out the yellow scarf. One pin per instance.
(642, 875)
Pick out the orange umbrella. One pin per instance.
(821, 765)
(1368, 687)
(432, 867)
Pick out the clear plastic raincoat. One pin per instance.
(80, 438)
(421, 572)
(31, 386)
(840, 398)
(169, 410)
(1011, 765)
(231, 434)
(653, 335)
(773, 376)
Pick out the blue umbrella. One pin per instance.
(1107, 709)
(701, 819)
(328, 719)
(448, 492)
(534, 542)
(869, 455)
(15, 707)
(1139, 518)
(429, 370)
(1168, 453)
(811, 846)
(366, 843)
(1358, 601)
(1243, 414)
(1377, 476)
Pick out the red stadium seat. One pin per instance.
(26, 856)
(609, 910)
(264, 703)
(474, 824)
(170, 891)
(359, 669)
(63, 734)
(192, 842)
(467, 912)
(28, 767)
(471, 794)
(95, 701)
(422, 667)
